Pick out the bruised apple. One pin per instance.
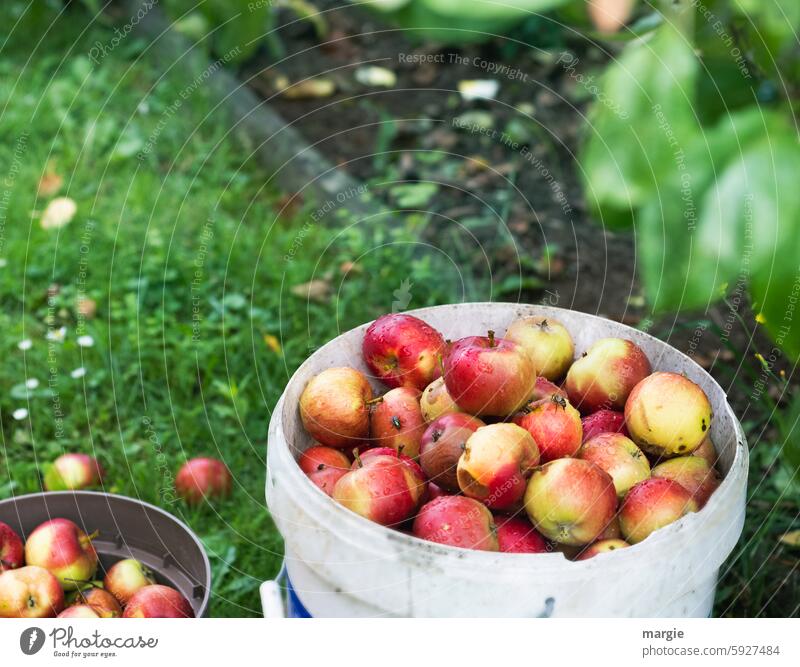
(547, 343)
(488, 375)
(324, 466)
(668, 415)
(11, 548)
(693, 474)
(653, 504)
(603, 421)
(103, 603)
(403, 351)
(435, 401)
(457, 521)
(605, 375)
(601, 547)
(442, 445)
(619, 457)
(554, 425)
(496, 463)
(334, 407)
(397, 422)
(518, 536)
(63, 549)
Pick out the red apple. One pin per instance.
(653, 504)
(397, 421)
(570, 501)
(668, 415)
(72, 472)
(546, 389)
(442, 445)
(11, 549)
(201, 479)
(63, 549)
(367, 454)
(103, 603)
(436, 491)
(693, 474)
(518, 536)
(601, 547)
(334, 407)
(611, 531)
(495, 464)
(403, 351)
(324, 466)
(547, 342)
(125, 577)
(435, 401)
(30, 592)
(605, 375)
(707, 451)
(158, 601)
(488, 376)
(457, 522)
(384, 489)
(554, 425)
(79, 611)
(603, 421)
(619, 457)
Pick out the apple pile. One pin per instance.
(53, 574)
(510, 444)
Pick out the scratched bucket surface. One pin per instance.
(126, 528)
(340, 564)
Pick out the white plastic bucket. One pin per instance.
(340, 564)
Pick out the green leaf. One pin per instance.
(414, 195)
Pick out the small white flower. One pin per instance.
(57, 335)
(478, 89)
(19, 414)
(32, 383)
(85, 341)
(3, 262)
(26, 344)
(78, 372)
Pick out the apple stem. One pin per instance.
(491, 338)
(357, 458)
(441, 364)
(375, 401)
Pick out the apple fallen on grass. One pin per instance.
(72, 472)
(403, 351)
(203, 478)
(601, 547)
(547, 342)
(554, 425)
(619, 457)
(435, 401)
(157, 601)
(606, 374)
(570, 501)
(457, 521)
(653, 504)
(496, 463)
(334, 407)
(324, 466)
(12, 551)
(518, 536)
(63, 549)
(668, 415)
(125, 577)
(488, 375)
(442, 445)
(693, 474)
(397, 422)
(30, 592)
(603, 421)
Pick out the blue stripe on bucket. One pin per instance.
(294, 607)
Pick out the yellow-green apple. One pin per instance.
(554, 425)
(653, 504)
(442, 445)
(324, 466)
(384, 489)
(570, 501)
(496, 463)
(707, 451)
(547, 343)
(72, 472)
(619, 457)
(125, 577)
(457, 521)
(158, 601)
(668, 415)
(518, 536)
(104, 604)
(403, 351)
(603, 421)
(397, 421)
(11, 550)
(545, 389)
(488, 375)
(693, 474)
(601, 547)
(79, 611)
(30, 592)
(61, 547)
(334, 407)
(435, 401)
(605, 375)
(203, 478)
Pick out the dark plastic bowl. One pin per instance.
(126, 528)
